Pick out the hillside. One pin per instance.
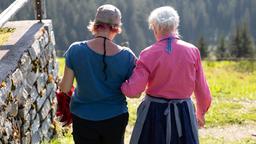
(207, 18)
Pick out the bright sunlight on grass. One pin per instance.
(233, 86)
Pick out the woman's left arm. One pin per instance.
(67, 81)
(202, 92)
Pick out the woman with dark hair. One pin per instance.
(170, 70)
(99, 109)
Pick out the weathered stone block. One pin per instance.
(16, 77)
(22, 97)
(41, 100)
(48, 52)
(5, 86)
(18, 90)
(53, 38)
(41, 81)
(50, 66)
(3, 96)
(27, 86)
(12, 142)
(8, 129)
(50, 88)
(16, 135)
(12, 109)
(41, 43)
(54, 107)
(32, 113)
(48, 27)
(25, 63)
(53, 53)
(43, 61)
(3, 116)
(46, 37)
(52, 96)
(33, 94)
(46, 126)
(32, 77)
(36, 138)
(26, 139)
(24, 112)
(26, 122)
(55, 72)
(35, 124)
(35, 50)
(45, 110)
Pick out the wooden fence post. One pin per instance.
(39, 9)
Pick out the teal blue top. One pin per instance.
(96, 98)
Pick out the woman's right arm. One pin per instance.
(67, 81)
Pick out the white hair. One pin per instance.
(164, 19)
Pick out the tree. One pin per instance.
(208, 18)
(202, 46)
(247, 42)
(242, 43)
(222, 52)
(236, 43)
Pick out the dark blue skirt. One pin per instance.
(154, 127)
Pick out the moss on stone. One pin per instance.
(5, 34)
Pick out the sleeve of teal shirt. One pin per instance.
(133, 60)
(68, 57)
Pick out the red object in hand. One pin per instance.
(63, 106)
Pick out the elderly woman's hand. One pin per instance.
(200, 121)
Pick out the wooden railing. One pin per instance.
(8, 13)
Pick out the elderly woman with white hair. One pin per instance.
(170, 70)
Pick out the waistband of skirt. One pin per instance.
(164, 100)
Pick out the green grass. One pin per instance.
(61, 62)
(233, 87)
(232, 80)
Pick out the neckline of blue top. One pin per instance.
(98, 54)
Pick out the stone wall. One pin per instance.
(28, 73)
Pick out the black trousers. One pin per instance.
(110, 131)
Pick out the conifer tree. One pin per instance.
(236, 43)
(222, 52)
(242, 45)
(247, 42)
(202, 46)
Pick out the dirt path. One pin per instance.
(231, 132)
(228, 133)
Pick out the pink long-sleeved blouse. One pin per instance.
(174, 75)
